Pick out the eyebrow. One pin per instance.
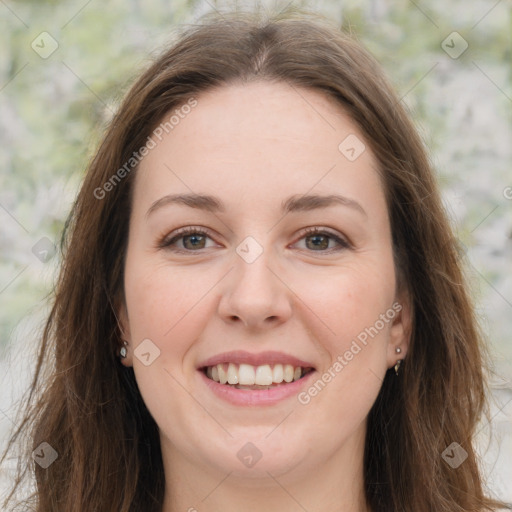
(292, 204)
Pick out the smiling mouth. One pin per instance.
(248, 377)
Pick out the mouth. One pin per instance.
(249, 377)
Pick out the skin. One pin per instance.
(252, 146)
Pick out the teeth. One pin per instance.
(223, 376)
(264, 375)
(248, 375)
(278, 373)
(288, 373)
(232, 374)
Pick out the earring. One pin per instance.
(123, 351)
(398, 350)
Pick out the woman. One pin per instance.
(261, 304)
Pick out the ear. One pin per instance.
(401, 329)
(124, 327)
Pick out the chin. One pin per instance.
(254, 460)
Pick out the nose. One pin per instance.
(255, 294)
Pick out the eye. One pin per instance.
(319, 240)
(193, 239)
(187, 239)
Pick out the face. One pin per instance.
(263, 277)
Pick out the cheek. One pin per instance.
(167, 307)
(343, 303)
(349, 319)
(351, 334)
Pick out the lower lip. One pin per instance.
(254, 397)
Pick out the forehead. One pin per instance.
(259, 141)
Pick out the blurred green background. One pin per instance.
(54, 108)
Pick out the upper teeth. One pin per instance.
(248, 375)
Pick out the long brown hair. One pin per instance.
(89, 409)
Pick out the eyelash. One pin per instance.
(166, 242)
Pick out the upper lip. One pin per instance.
(243, 357)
